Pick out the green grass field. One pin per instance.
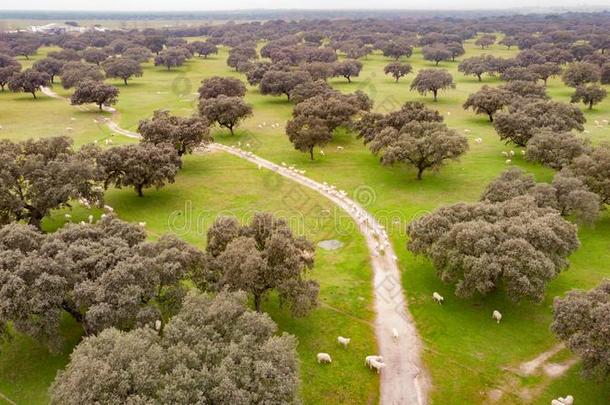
(466, 352)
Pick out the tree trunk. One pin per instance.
(35, 218)
(34, 94)
(100, 106)
(479, 77)
(590, 105)
(434, 92)
(125, 80)
(420, 171)
(491, 117)
(231, 129)
(139, 190)
(257, 302)
(311, 152)
(348, 79)
(397, 79)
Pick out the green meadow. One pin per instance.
(466, 352)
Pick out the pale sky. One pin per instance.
(198, 5)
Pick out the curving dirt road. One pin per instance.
(404, 380)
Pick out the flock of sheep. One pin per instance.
(376, 362)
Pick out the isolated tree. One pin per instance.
(348, 68)
(475, 66)
(580, 319)
(508, 41)
(50, 66)
(319, 70)
(8, 67)
(99, 93)
(67, 55)
(38, 176)
(424, 145)
(277, 82)
(185, 133)
(334, 108)
(73, 73)
(226, 111)
(372, 123)
(155, 43)
(579, 73)
(261, 257)
(545, 70)
(432, 80)
(485, 41)
(94, 55)
(238, 358)
(523, 120)
(397, 49)
(594, 170)
(397, 69)
(589, 95)
(140, 54)
(170, 58)
(525, 89)
(555, 149)
(139, 166)
(481, 247)
(122, 68)
(306, 132)
(488, 100)
(215, 86)
(103, 274)
(456, 49)
(28, 81)
(519, 73)
(203, 48)
(436, 53)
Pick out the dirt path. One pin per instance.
(7, 399)
(404, 380)
(529, 367)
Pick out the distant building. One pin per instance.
(54, 28)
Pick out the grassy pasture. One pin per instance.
(466, 352)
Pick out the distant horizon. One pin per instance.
(126, 6)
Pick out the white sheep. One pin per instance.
(377, 365)
(90, 219)
(437, 297)
(497, 316)
(322, 152)
(523, 152)
(508, 161)
(68, 216)
(324, 358)
(568, 400)
(504, 153)
(158, 324)
(512, 153)
(394, 334)
(478, 140)
(343, 341)
(340, 147)
(108, 208)
(368, 359)
(142, 224)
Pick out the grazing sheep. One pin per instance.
(556, 402)
(67, 216)
(512, 153)
(158, 324)
(478, 140)
(377, 365)
(322, 152)
(142, 224)
(497, 316)
(508, 161)
(340, 147)
(108, 208)
(90, 219)
(394, 334)
(504, 153)
(466, 130)
(324, 358)
(369, 359)
(568, 400)
(343, 341)
(523, 152)
(437, 297)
